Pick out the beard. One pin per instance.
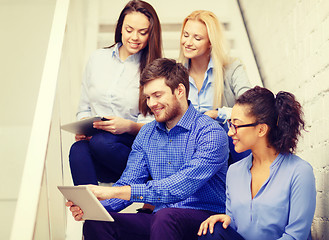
(171, 112)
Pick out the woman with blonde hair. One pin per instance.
(216, 79)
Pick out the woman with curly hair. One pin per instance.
(271, 193)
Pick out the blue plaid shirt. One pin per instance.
(187, 165)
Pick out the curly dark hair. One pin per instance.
(282, 113)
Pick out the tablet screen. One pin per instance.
(87, 201)
(84, 126)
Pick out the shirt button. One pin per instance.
(169, 162)
(170, 140)
(141, 197)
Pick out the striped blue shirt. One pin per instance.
(187, 165)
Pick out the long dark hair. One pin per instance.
(153, 49)
(282, 113)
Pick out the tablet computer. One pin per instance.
(84, 126)
(87, 201)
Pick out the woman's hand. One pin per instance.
(79, 137)
(77, 213)
(115, 125)
(210, 222)
(212, 113)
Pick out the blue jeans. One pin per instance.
(103, 158)
(221, 234)
(165, 224)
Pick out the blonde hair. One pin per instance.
(218, 53)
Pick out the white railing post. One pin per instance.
(28, 198)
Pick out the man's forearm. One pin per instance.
(103, 193)
(123, 192)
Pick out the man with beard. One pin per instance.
(178, 163)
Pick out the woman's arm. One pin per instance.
(221, 115)
(84, 110)
(239, 81)
(302, 204)
(118, 125)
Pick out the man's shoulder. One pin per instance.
(147, 128)
(205, 128)
(204, 121)
(149, 125)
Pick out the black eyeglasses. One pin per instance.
(234, 127)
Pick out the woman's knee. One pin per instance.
(102, 140)
(220, 233)
(216, 235)
(77, 149)
(107, 144)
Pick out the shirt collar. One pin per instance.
(210, 64)
(186, 120)
(115, 51)
(133, 58)
(274, 164)
(277, 161)
(209, 68)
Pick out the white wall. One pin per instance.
(172, 13)
(25, 27)
(291, 39)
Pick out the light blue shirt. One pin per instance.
(284, 206)
(235, 83)
(187, 165)
(110, 86)
(203, 100)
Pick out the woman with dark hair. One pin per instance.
(110, 88)
(271, 193)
